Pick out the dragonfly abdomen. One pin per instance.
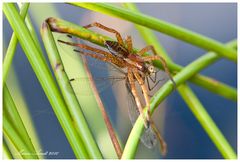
(116, 49)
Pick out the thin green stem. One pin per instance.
(148, 36)
(6, 152)
(12, 45)
(206, 122)
(215, 86)
(11, 113)
(18, 142)
(188, 95)
(163, 27)
(211, 84)
(181, 77)
(62, 26)
(12, 147)
(31, 29)
(68, 94)
(45, 78)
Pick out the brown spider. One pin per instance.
(139, 68)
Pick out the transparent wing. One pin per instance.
(77, 47)
(83, 85)
(148, 137)
(102, 74)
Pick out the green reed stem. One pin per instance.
(188, 96)
(181, 77)
(206, 122)
(68, 93)
(11, 133)
(163, 27)
(14, 120)
(209, 83)
(45, 78)
(150, 38)
(12, 45)
(6, 152)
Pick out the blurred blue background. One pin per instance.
(184, 135)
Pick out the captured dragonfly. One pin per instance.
(135, 68)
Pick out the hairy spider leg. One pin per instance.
(156, 57)
(163, 144)
(131, 81)
(99, 57)
(128, 42)
(155, 83)
(144, 90)
(118, 35)
(104, 56)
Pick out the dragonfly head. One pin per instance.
(151, 69)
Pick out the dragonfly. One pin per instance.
(139, 69)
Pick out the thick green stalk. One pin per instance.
(11, 113)
(18, 142)
(68, 94)
(6, 152)
(206, 122)
(163, 27)
(12, 45)
(188, 95)
(31, 29)
(148, 36)
(181, 77)
(45, 78)
(211, 84)
(62, 26)
(12, 147)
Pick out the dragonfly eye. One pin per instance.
(151, 69)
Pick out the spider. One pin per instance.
(139, 68)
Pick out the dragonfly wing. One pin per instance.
(83, 86)
(148, 137)
(132, 107)
(73, 47)
(102, 75)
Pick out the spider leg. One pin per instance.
(128, 41)
(156, 57)
(144, 90)
(136, 97)
(163, 144)
(148, 83)
(108, 57)
(84, 46)
(118, 35)
(96, 56)
(154, 81)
